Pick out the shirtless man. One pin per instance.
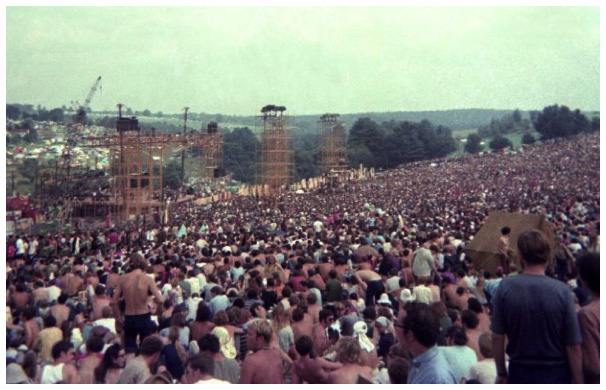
(31, 326)
(372, 283)
(99, 301)
(317, 278)
(60, 311)
(308, 370)
(472, 329)
(325, 266)
(264, 365)
(312, 308)
(321, 341)
(39, 293)
(348, 353)
(87, 365)
(300, 327)
(461, 298)
(20, 297)
(73, 283)
(134, 288)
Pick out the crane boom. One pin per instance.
(91, 93)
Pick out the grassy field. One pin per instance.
(516, 140)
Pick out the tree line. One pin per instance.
(382, 145)
(552, 122)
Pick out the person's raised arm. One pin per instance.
(157, 294)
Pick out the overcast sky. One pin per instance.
(234, 60)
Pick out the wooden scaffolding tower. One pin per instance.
(205, 160)
(333, 151)
(277, 157)
(136, 159)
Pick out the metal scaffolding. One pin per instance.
(205, 157)
(277, 157)
(136, 160)
(333, 151)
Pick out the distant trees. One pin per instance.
(595, 123)
(528, 139)
(56, 115)
(271, 108)
(393, 143)
(171, 175)
(559, 121)
(239, 154)
(474, 144)
(18, 111)
(500, 142)
(508, 124)
(13, 111)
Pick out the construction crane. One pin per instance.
(81, 111)
(74, 130)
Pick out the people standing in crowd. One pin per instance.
(536, 314)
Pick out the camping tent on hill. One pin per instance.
(483, 248)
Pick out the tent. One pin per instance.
(483, 248)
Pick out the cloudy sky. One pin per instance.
(234, 60)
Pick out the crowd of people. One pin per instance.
(357, 282)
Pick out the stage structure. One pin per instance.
(204, 162)
(333, 151)
(136, 159)
(277, 157)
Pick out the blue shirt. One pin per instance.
(431, 367)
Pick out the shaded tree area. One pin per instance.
(171, 174)
(39, 113)
(474, 144)
(500, 142)
(393, 143)
(508, 124)
(559, 121)
(240, 154)
(306, 149)
(528, 139)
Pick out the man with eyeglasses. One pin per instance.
(320, 335)
(419, 332)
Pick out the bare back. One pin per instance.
(135, 287)
(262, 367)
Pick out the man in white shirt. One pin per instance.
(33, 249)
(192, 305)
(21, 247)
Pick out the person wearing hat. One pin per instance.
(368, 352)
(384, 300)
